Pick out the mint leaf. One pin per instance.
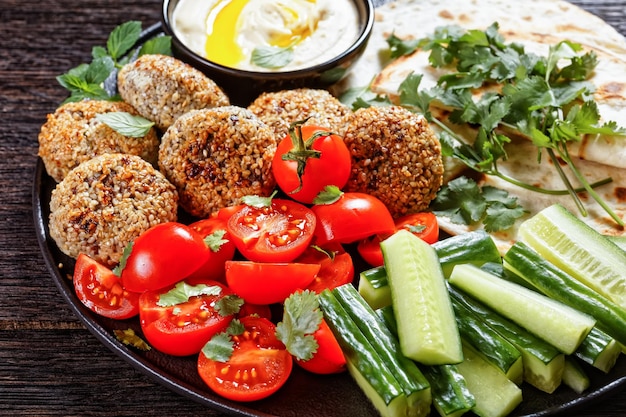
(271, 57)
(159, 45)
(126, 124)
(122, 38)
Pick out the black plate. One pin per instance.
(305, 394)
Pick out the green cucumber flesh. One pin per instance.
(475, 247)
(542, 362)
(374, 288)
(558, 324)
(599, 350)
(495, 394)
(426, 325)
(574, 376)
(559, 285)
(579, 250)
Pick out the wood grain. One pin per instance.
(49, 364)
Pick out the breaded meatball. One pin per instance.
(279, 109)
(162, 88)
(105, 203)
(72, 135)
(216, 156)
(395, 157)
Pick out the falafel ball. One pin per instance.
(395, 157)
(216, 156)
(72, 134)
(281, 108)
(105, 203)
(162, 88)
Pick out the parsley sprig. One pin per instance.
(545, 99)
(86, 81)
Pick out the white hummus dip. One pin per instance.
(228, 31)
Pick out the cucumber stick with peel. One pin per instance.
(578, 249)
(426, 324)
(558, 324)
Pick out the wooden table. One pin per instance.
(49, 364)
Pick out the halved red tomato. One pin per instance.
(183, 328)
(279, 232)
(336, 267)
(268, 283)
(163, 255)
(352, 217)
(221, 248)
(100, 290)
(257, 368)
(423, 225)
(329, 358)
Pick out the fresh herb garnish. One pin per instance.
(545, 99)
(301, 318)
(220, 347)
(216, 240)
(126, 124)
(272, 57)
(329, 195)
(257, 200)
(182, 292)
(86, 80)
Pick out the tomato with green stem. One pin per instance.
(349, 217)
(161, 256)
(100, 290)
(180, 320)
(268, 282)
(271, 230)
(254, 367)
(308, 159)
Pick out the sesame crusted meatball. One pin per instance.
(395, 157)
(106, 202)
(162, 88)
(72, 135)
(216, 156)
(279, 109)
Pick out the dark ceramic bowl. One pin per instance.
(244, 86)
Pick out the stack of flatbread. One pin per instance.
(537, 24)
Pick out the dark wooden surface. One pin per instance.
(49, 364)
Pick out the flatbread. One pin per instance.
(533, 23)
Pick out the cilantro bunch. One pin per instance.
(86, 81)
(545, 99)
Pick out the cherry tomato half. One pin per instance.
(101, 291)
(329, 358)
(423, 225)
(331, 166)
(279, 232)
(354, 216)
(336, 267)
(184, 328)
(210, 229)
(163, 255)
(268, 283)
(258, 367)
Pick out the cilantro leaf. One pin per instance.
(329, 195)
(221, 346)
(400, 47)
(228, 305)
(301, 318)
(182, 292)
(216, 240)
(461, 201)
(257, 200)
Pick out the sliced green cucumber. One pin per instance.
(574, 376)
(619, 241)
(558, 324)
(599, 350)
(450, 395)
(415, 386)
(579, 250)
(475, 247)
(543, 363)
(558, 285)
(495, 394)
(365, 365)
(426, 325)
(374, 288)
(488, 343)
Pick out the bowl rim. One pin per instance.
(361, 40)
